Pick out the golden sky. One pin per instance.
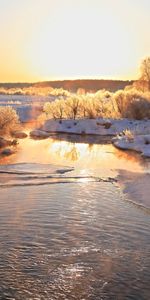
(59, 39)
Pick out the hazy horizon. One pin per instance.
(66, 79)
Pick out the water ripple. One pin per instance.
(71, 241)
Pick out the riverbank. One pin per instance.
(100, 126)
(128, 134)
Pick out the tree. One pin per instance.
(144, 80)
(73, 106)
(55, 109)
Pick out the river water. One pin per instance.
(67, 229)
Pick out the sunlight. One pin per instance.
(74, 149)
(71, 48)
(73, 39)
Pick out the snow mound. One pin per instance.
(39, 134)
(139, 143)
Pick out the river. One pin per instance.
(68, 230)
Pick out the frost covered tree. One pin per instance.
(72, 103)
(55, 109)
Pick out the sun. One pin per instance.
(85, 43)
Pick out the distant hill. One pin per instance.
(73, 85)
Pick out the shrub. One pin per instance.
(122, 104)
(9, 120)
(133, 104)
(55, 109)
(72, 106)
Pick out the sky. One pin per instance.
(68, 39)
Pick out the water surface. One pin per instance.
(67, 231)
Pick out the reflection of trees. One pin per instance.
(73, 154)
(68, 151)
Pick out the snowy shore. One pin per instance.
(139, 143)
(88, 126)
(136, 139)
(126, 134)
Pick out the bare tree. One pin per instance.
(144, 80)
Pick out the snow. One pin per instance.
(126, 134)
(28, 107)
(39, 134)
(139, 143)
(88, 126)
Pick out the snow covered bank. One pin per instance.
(140, 143)
(127, 134)
(136, 186)
(137, 139)
(91, 126)
(82, 127)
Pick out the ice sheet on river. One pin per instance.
(136, 186)
(28, 174)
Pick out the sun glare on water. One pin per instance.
(83, 157)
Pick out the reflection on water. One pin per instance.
(97, 158)
(71, 241)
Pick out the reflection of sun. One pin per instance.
(100, 158)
